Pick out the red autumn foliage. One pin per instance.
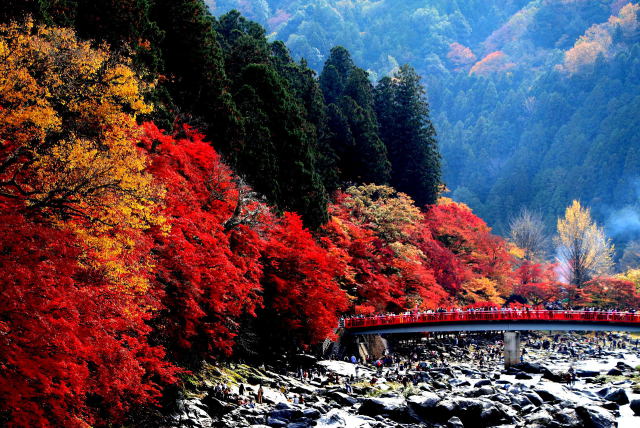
(611, 293)
(74, 349)
(302, 297)
(462, 248)
(210, 273)
(387, 272)
(536, 282)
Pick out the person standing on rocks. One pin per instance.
(260, 394)
(241, 390)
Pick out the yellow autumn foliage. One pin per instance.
(482, 290)
(584, 252)
(67, 142)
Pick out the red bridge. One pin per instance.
(498, 320)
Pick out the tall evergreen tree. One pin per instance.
(361, 154)
(409, 135)
(195, 71)
(279, 150)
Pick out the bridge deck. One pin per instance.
(507, 320)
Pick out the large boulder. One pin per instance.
(342, 398)
(528, 367)
(523, 376)
(394, 408)
(423, 404)
(617, 395)
(216, 407)
(455, 422)
(471, 411)
(533, 397)
(190, 413)
(587, 373)
(338, 418)
(541, 417)
(286, 414)
(595, 417)
(635, 406)
(568, 418)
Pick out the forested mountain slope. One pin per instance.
(535, 102)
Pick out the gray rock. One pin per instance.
(216, 407)
(523, 375)
(276, 423)
(342, 398)
(528, 367)
(635, 406)
(483, 382)
(614, 372)
(286, 414)
(191, 413)
(546, 394)
(568, 418)
(311, 413)
(587, 373)
(594, 417)
(423, 405)
(541, 417)
(624, 366)
(618, 396)
(455, 422)
(395, 408)
(485, 390)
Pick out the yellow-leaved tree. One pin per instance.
(584, 251)
(68, 150)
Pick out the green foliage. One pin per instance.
(530, 135)
(409, 135)
(361, 154)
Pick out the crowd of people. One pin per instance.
(524, 311)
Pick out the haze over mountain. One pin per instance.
(535, 102)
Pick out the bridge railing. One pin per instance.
(500, 315)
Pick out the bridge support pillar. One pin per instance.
(374, 346)
(511, 348)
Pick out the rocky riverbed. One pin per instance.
(459, 394)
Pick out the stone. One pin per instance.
(618, 396)
(395, 408)
(552, 376)
(300, 424)
(311, 413)
(587, 373)
(483, 382)
(342, 398)
(568, 418)
(455, 422)
(216, 407)
(285, 414)
(614, 372)
(541, 417)
(485, 390)
(423, 404)
(276, 423)
(528, 367)
(624, 366)
(594, 417)
(191, 413)
(523, 376)
(635, 406)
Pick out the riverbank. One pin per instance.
(471, 388)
